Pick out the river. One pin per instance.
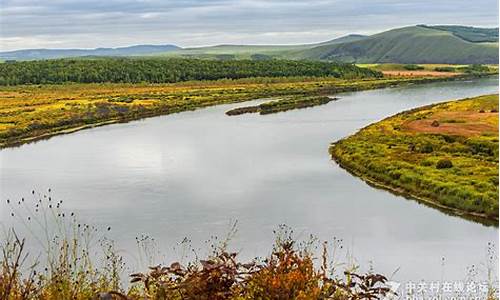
(194, 173)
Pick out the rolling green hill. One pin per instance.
(255, 52)
(345, 39)
(415, 44)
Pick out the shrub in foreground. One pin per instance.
(73, 269)
(78, 262)
(444, 164)
(412, 67)
(288, 273)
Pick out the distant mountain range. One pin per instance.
(413, 44)
(30, 54)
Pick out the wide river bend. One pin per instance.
(191, 174)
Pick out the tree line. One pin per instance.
(166, 70)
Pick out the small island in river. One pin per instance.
(280, 105)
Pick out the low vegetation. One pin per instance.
(29, 112)
(445, 154)
(445, 69)
(65, 258)
(437, 70)
(430, 70)
(474, 69)
(287, 273)
(72, 265)
(285, 104)
(167, 70)
(413, 67)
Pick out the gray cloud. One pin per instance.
(109, 23)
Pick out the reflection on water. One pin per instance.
(190, 174)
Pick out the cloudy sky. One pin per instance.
(111, 23)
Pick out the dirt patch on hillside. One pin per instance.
(419, 74)
(464, 123)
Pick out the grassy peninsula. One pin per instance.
(445, 154)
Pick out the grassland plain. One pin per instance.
(444, 154)
(31, 112)
(439, 70)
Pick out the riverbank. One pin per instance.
(34, 112)
(445, 155)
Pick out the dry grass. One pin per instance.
(462, 123)
(401, 73)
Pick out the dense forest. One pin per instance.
(163, 70)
